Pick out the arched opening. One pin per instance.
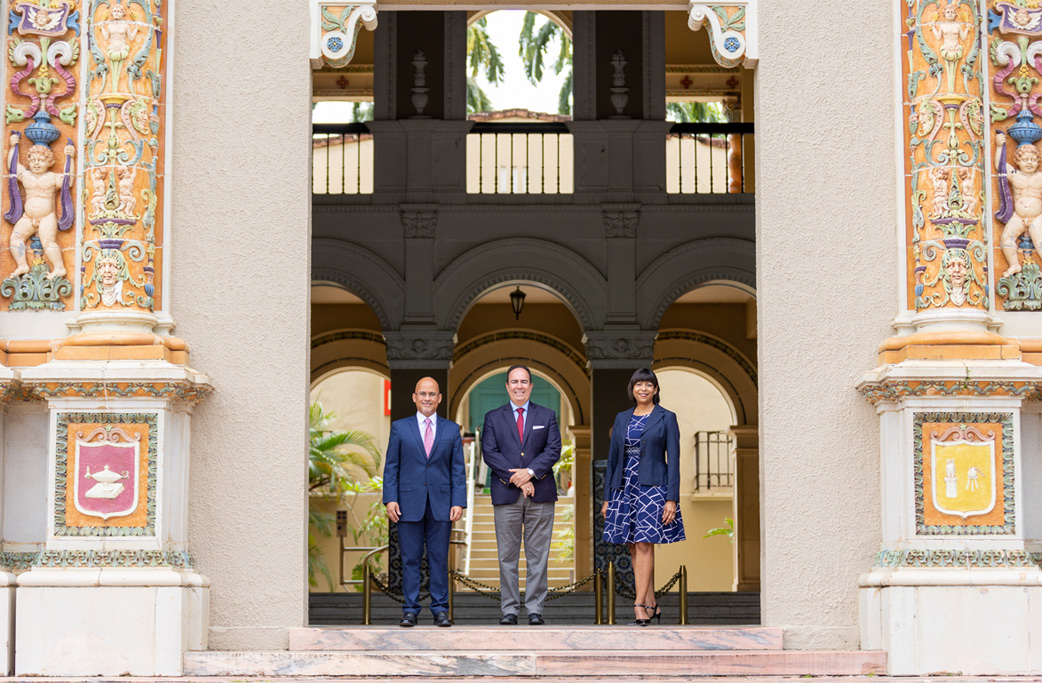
(546, 336)
(350, 395)
(705, 354)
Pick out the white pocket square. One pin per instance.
(538, 426)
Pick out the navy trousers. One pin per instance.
(412, 537)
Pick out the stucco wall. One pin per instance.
(826, 271)
(240, 295)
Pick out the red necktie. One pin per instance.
(521, 425)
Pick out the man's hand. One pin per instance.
(1000, 138)
(393, 511)
(455, 513)
(520, 476)
(528, 489)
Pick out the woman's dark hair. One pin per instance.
(644, 375)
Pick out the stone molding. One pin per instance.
(732, 30)
(620, 223)
(897, 389)
(112, 558)
(184, 391)
(963, 558)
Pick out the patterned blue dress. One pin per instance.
(634, 511)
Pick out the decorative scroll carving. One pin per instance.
(945, 162)
(419, 223)
(731, 29)
(121, 254)
(433, 346)
(620, 223)
(1014, 50)
(338, 27)
(619, 346)
(36, 239)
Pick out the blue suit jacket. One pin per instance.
(502, 451)
(659, 452)
(410, 478)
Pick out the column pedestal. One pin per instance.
(956, 586)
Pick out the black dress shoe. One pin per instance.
(442, 619)
(535, 620)
(508, 620)
(409, 619)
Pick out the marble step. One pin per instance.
(554, 664)
(572, 638)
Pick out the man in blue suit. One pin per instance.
(425, 491)
(520, 444)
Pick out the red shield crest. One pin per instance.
(106, 482)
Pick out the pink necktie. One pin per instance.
(428, 438)
(521, 425)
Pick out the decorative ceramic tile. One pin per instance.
(37, 234)
(105, 474)
(944, 165)
(963, 473)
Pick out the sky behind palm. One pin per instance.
(514, 92)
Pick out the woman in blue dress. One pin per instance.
(642, 487)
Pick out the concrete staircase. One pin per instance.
(484, 562)
(551, 652)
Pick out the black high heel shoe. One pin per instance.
(640, 622)
(656, 614)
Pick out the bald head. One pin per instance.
(427, 396)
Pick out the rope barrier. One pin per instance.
(630, 594)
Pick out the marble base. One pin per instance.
(980, 628)
(549, 663)
(533, 639)
(7, 593)
(115, 627)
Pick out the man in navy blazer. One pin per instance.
(425, 491)
(520, 444)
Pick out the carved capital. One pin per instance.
(419, 223)
(732, 28)
(620, 223)
(335, 27)
(620, 349)
(407, 349)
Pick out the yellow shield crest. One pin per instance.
(964, 477)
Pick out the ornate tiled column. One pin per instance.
(950, 392)
(110, 587)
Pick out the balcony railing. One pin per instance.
(713, 462)
(520, 158)
(342, 158)
(708, 158)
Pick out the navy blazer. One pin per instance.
(659, 452)
(503, 451)
(411, 478)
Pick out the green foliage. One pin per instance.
(342, 463)
(362, 111)
(726, 530)
(483, 58)
(695, 112)
(564, 536)
(477, 99)
(533, 45)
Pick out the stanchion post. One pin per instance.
(367, 595)
(683, 595)
(452, 594)
(611, 594)
(598, 603)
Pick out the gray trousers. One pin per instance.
(533, 522)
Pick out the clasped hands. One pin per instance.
(523, 480)
(394, 512)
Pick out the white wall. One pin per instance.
(826, 289)
(241, 283)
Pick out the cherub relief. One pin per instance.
(1025, 182)
(127, 201)
(40, 212)
(939, 180)
(951, 33)
(118, 33)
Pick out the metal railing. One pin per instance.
(520, 158)
(708, 158)
(713, 458)
(342, 158)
